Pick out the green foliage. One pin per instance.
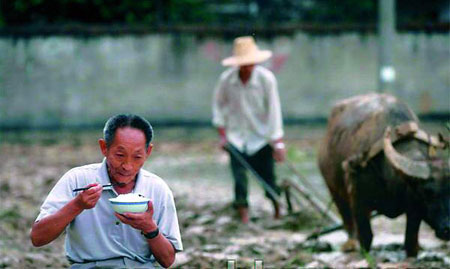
(296, 155)
(297, 260)
(370, 259)
(349, 11)
(193, 11)
(83, 11)
(226, 12)
(11, 214)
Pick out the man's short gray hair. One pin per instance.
(127, 120)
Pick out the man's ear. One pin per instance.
(149, 149)
(103, 146)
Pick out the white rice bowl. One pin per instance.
(130, 202)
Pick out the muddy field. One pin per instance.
(197, 172)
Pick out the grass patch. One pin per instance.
(370, 259)
(11, 214)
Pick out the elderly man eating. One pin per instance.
(96, 236)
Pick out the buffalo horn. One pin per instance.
(411, 168)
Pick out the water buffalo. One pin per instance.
(395, 179)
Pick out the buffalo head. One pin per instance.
(430, 180)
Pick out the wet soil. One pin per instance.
(197, 172)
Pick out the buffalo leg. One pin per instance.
(361, 216)
(363, 228)
(411, 234)
(347, 218)
(344, 210)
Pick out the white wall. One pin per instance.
(68, 81)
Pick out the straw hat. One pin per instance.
(245, 51)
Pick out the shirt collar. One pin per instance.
(104, 177)
(234, 76)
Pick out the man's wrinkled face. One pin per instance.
(126, 155)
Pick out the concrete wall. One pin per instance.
(67, 81)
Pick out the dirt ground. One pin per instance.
(197, 172)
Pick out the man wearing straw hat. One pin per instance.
(247, 114)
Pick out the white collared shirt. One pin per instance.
(96, 234)
(251, 113)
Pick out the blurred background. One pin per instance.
(74, 63)
(66, 66)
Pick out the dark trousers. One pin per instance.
(263, 163)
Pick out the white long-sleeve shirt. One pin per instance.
(250, 113)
